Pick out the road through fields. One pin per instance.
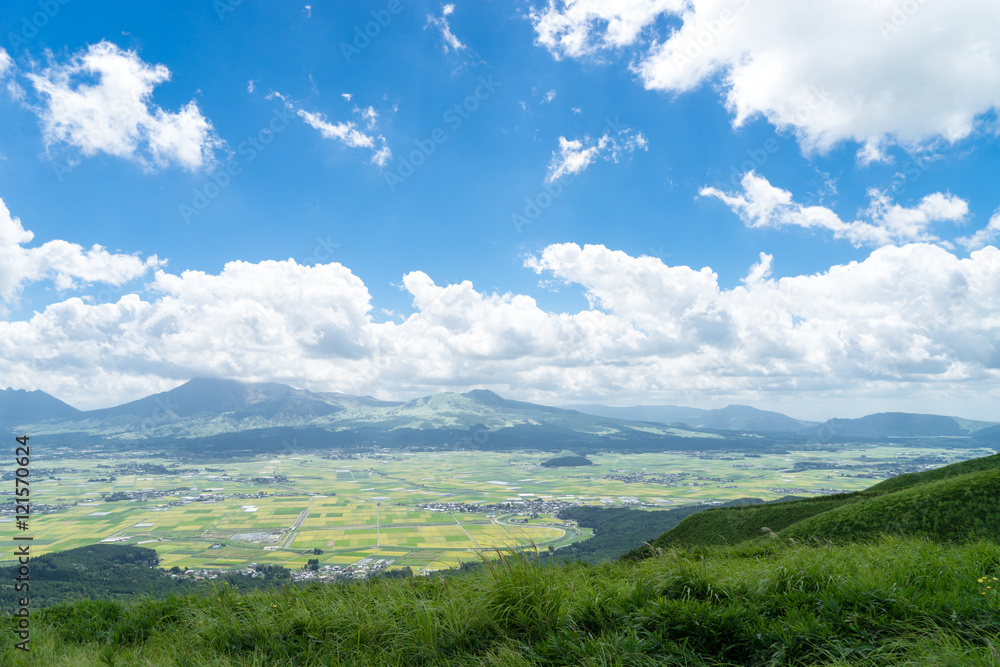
(303, 515)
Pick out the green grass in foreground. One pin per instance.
(892, 601)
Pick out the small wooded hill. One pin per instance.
(109, 571)
(565, 459)
(950, 504)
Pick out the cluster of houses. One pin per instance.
(535, 506)
(791, 490)
(362, 569)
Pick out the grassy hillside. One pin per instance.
(953, 470)
(721, 526)
(956, 502)
(892, 602)
(957, 508)
(618, 530)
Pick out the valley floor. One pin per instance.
(404, 509)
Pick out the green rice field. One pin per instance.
(279, 509)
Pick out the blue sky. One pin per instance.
(724, 201)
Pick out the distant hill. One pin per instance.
(952, 503)
(900, 424)
(202, 396)
(732, 418)
(988, 435)
(567, 459)
(18, 406)
(95, 571)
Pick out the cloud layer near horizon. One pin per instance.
(65, 264)
(911, 319)
(883, 222)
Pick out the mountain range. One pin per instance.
(222, 414)
(218, 414)
(730, 418)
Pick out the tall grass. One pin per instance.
(891, 601)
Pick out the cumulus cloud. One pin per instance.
(915, 322)
(576, 155)
(915, 313)
(67, 265)
(763, 205)
(250, 320)
(451, 42)
(99, 101)
(986, 235)
(577, 28)
(869, 71)
(760, 271)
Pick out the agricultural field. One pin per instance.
(424, 510)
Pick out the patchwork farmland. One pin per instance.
(424, 510)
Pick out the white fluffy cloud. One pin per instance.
(115, 115)
(988, 234)
(914, 322)
(576, 28)
(764, 205)
(575, 156)
(272, 319)
(66, 264)
(869, 71)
